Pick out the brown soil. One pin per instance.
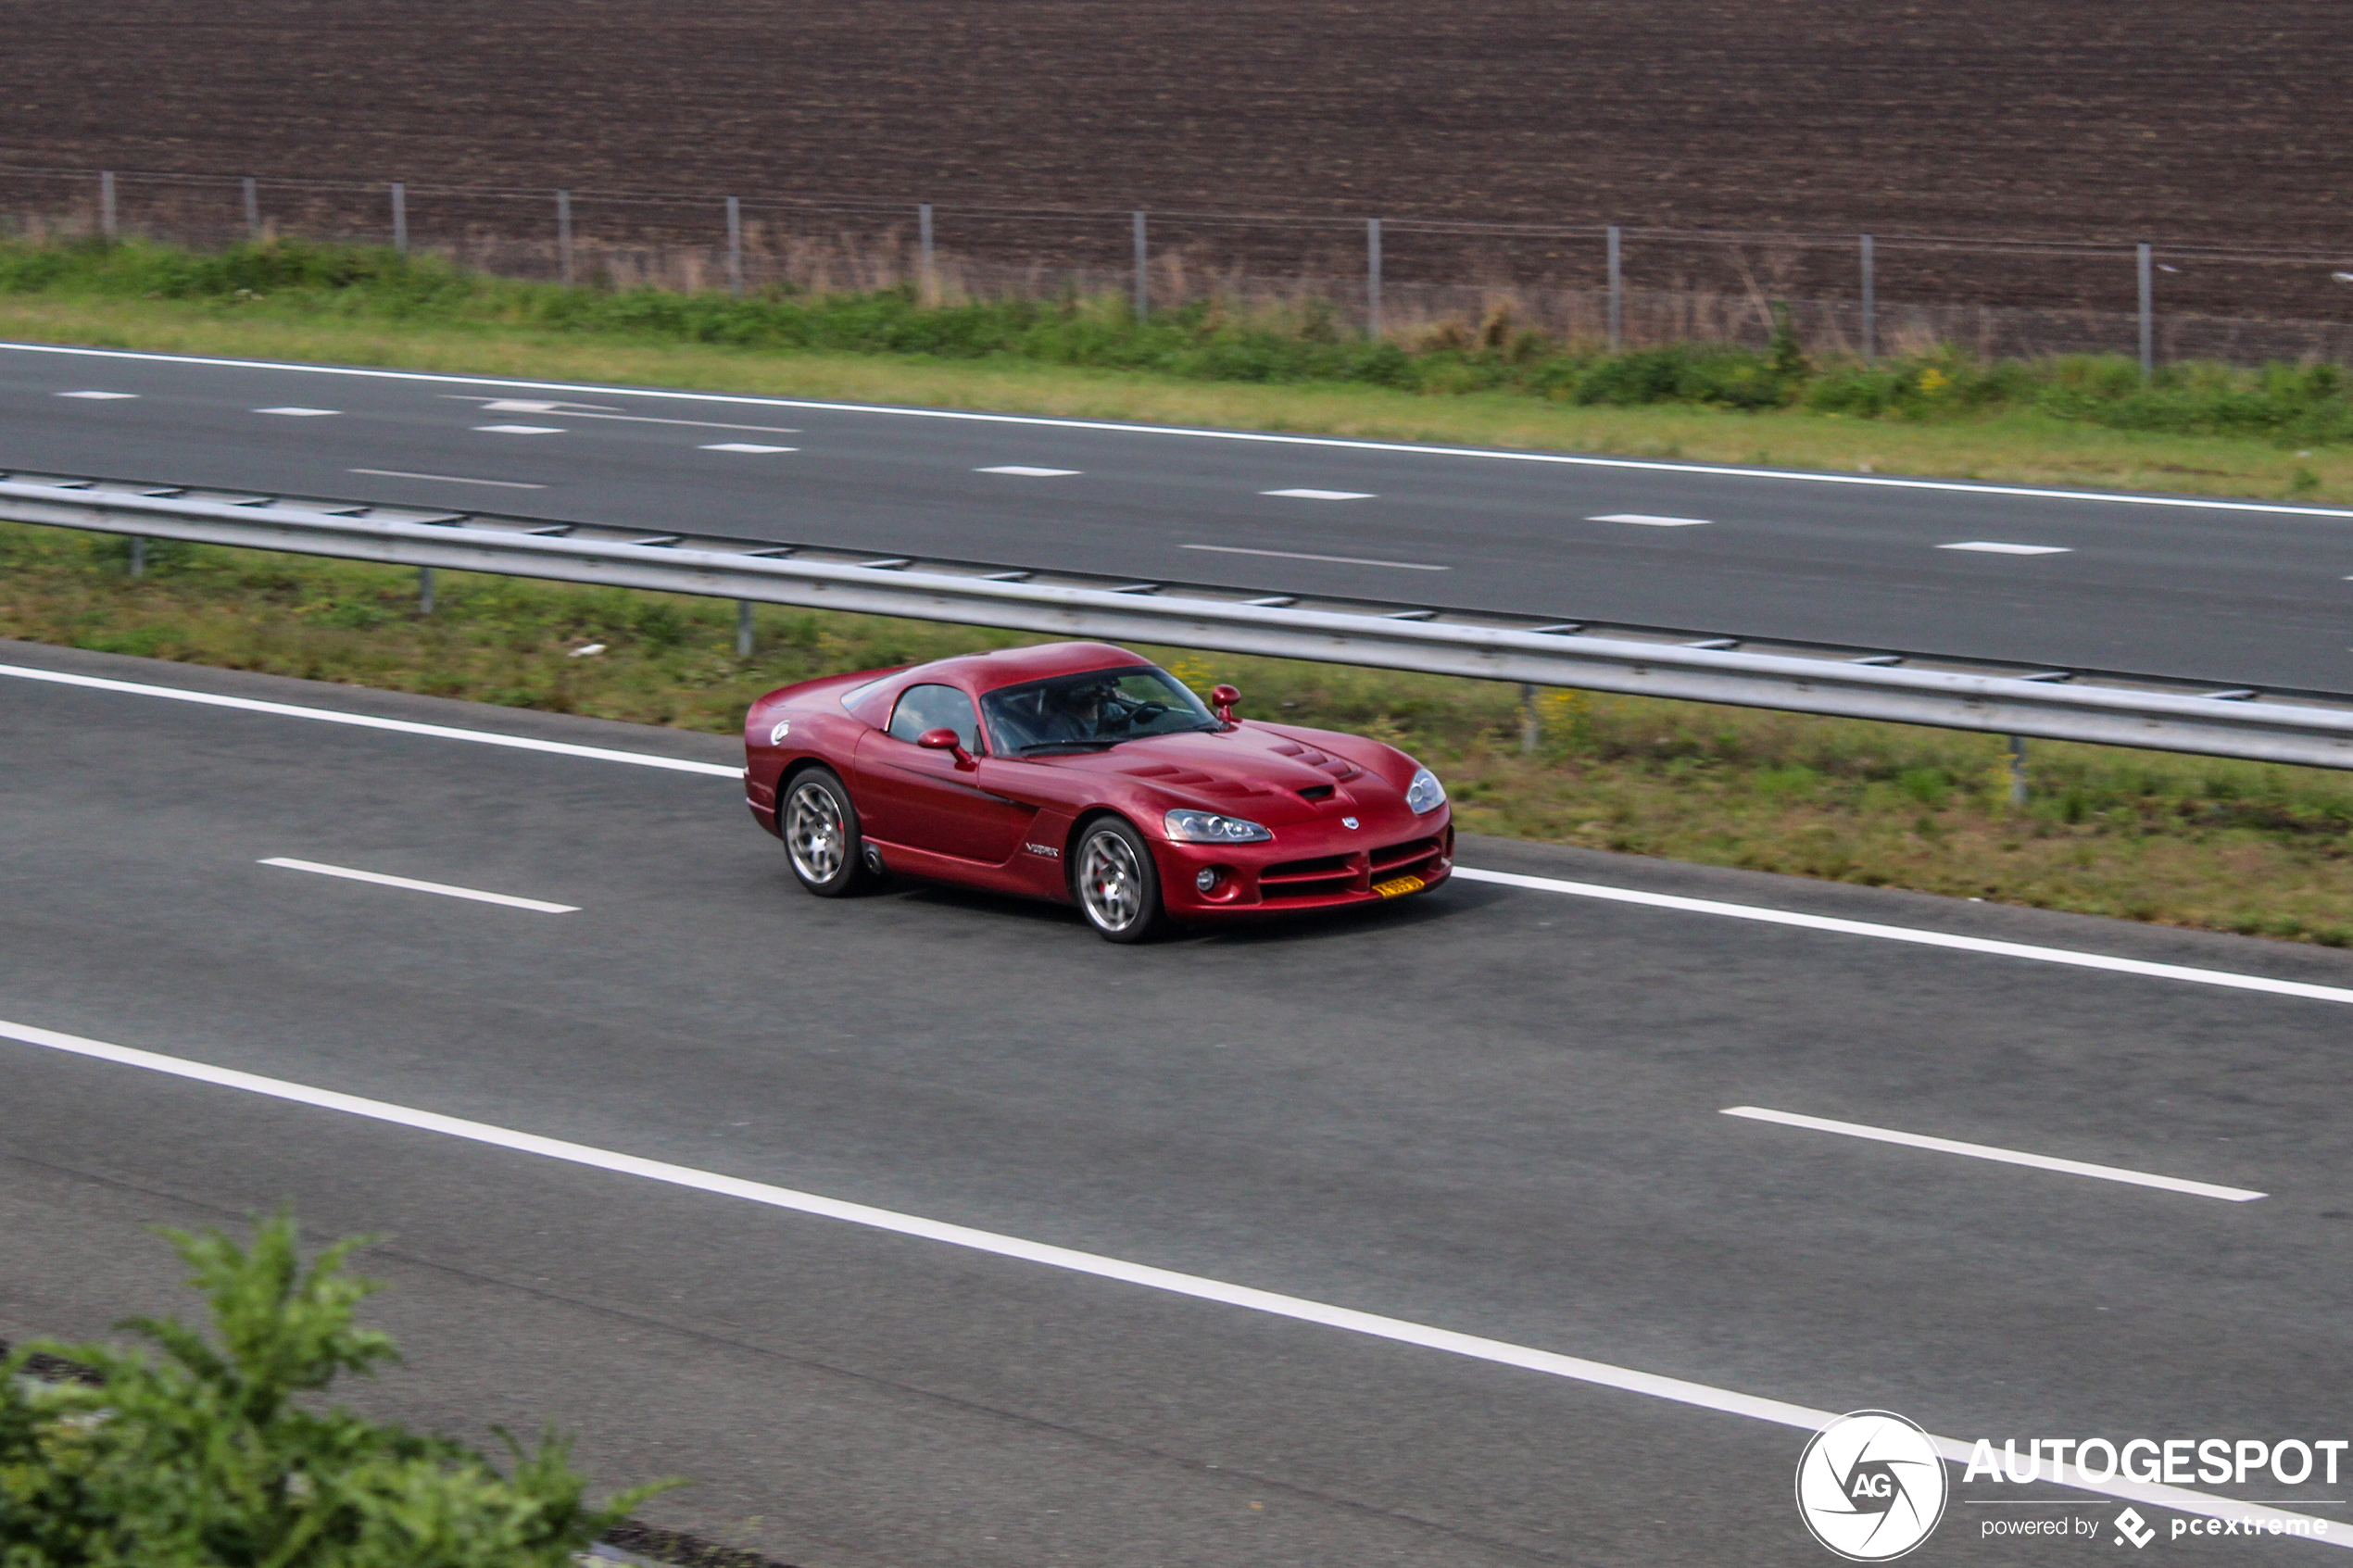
(2210, 121)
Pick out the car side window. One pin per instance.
(936, 708)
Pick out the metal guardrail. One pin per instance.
(2107, 707)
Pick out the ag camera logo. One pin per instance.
(1870, 1486)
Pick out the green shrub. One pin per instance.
(207, 1456)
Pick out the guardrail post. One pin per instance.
(734, 247)
(1617, 292)
(1372, 277)
(563, 233)
(105, 204)
(1871, 307)
(743, 628)
(400, 217)
(1530, 731)
(424, 590)
(2148, 315)
(138, 555)
(1143, 271)
(2017, 769)
(252, 208)
(926, 276)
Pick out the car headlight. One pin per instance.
(1425, 795)
(1212, 827)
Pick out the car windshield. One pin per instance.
(1096, 708)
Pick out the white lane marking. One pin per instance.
(520, 430)
(100, 397)
(1925, 938)
(1093, 1264)
(1298, 555)
(745, 446)
(1987, 1151)
(1994, 547)
(1334, 443)
(541, 905)
(1017, 469)
(1644, 519)
(1323, 494)
(447, 477)
(368, 721)
(301, 413)
(2225, 978)
(593, 411)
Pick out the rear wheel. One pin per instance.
(820, 834)
(1118, 886)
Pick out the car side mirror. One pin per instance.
(1223, 699)
(945, 739)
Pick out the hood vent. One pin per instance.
(1316, 792)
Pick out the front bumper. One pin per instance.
(1323, 867)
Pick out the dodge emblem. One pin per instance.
(1348, 821)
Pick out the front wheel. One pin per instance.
(1117, 885)
(820, 834)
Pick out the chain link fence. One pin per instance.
(1415, 280)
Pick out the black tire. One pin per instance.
(819, 825)
(1115, 883)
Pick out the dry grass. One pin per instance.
(2223, 846)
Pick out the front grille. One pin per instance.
(1329, 865)
(1398, 859)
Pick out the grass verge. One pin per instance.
(2279, 433)
(2247, 847)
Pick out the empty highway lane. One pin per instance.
(2238, 592)
(925, 1228)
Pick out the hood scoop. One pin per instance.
(1309, 756)
(1169, 773)
(1316, 792)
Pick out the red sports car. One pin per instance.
(1085, 773)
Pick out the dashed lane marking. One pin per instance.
(1300, 555)
(1322, 494)
(347, 873)
(101, 396)
(745, 446)
(1021, 472)
(1373, 1325)
(1644, 519)
(520, 430)
(302, 413)
(447, 477)
(1987, 1151)
(1994, 547)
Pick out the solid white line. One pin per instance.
(101, 396)
(1992, 547)
(520, 430)
(1645, 520)
(447, 477)
(1571, 460)
(745, 446)
(1296, 555)
(301, 413)
(368, 721)
(1925, 938)
(1298, 1309)
(1323, 494)
(1021, 472)
(1987, 1151)
(541, 905)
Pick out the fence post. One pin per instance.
(743, 628)
(2017, 769)
(563, 233)
(138, 555)
(424, 590)
(734, 247)
(1372, 277)
(253, 208)
(1870, 307)
(926, 278)
(105, 204)
(1617, 293)
(2148, 315)
(400, 218)
(1143, 272)
(1530, 732)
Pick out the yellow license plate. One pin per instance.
(1400, 884)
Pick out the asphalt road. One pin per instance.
(2241, 594)
(1491, 1111)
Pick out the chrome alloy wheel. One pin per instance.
(1110, 882)
(813, 835)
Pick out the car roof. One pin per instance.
(1011, 667)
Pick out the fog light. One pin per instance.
(1206, 879)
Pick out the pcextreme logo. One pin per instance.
(1870, 1486)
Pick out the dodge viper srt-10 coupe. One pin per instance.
(1084, 773)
